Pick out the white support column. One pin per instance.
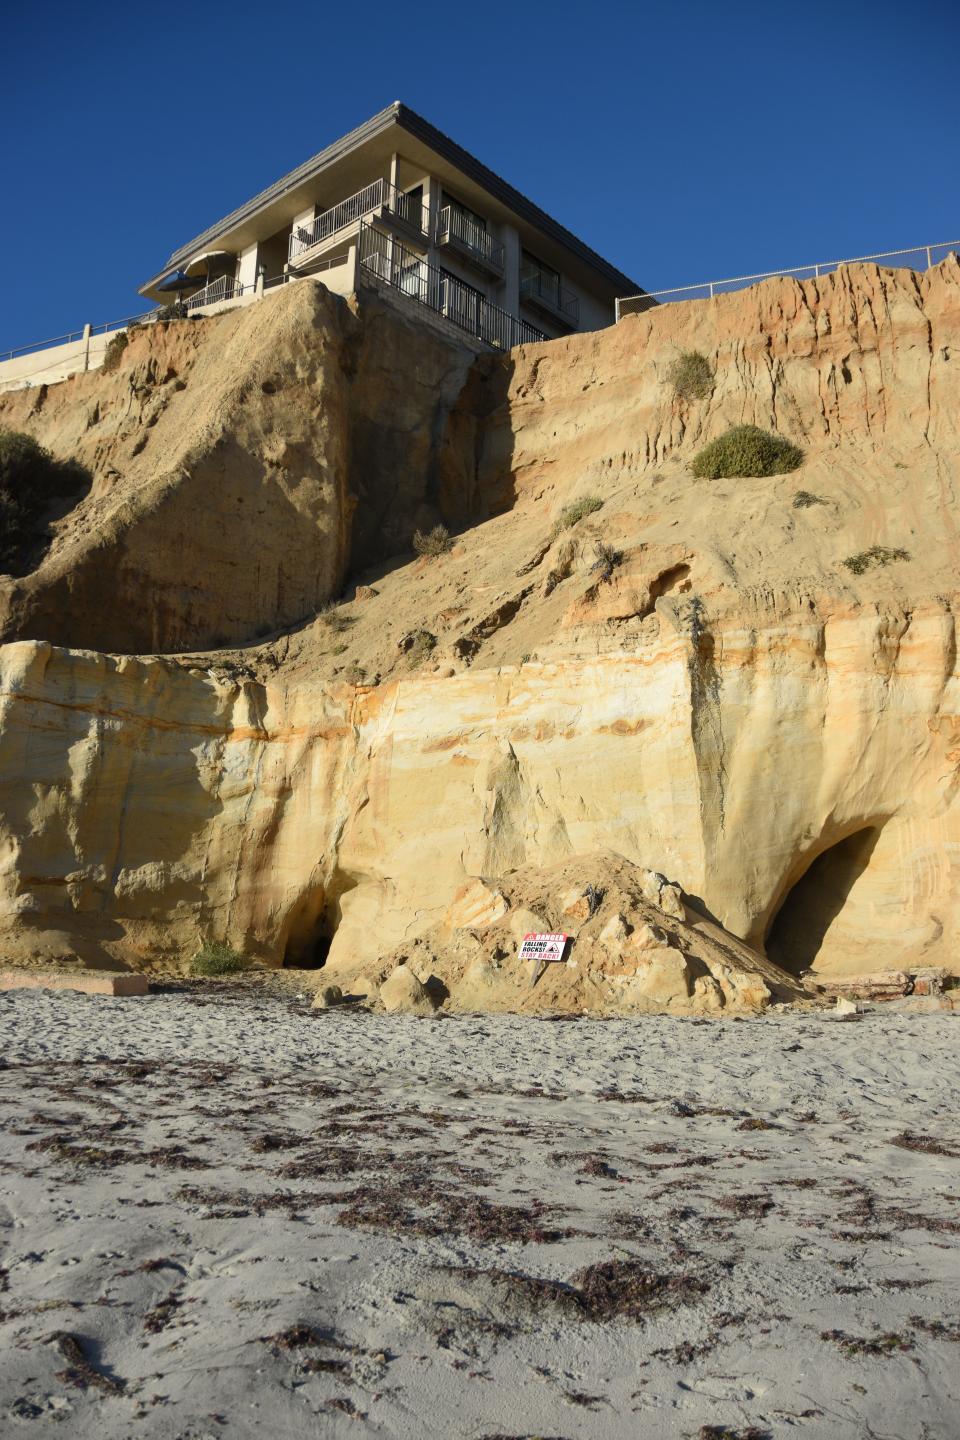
(87, 331)
(247, 266)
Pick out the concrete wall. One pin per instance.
(56, 362)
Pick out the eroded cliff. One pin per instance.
(727, 703)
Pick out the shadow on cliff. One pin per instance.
(814, 901)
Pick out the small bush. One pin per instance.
(335, 619)
(691, 376)
(217, 958)
(803, 500)
(114, 351)
(746, 451)
(571, 514)
(421, 644)
(354, 674)
(437, 542)
(874, 558)
(607, 560)
(31, 479)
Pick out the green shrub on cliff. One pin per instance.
(217, 958)
(31, 479)
(571, 514)
(746, 451)
(114, 351)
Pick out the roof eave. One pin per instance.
(420, 129)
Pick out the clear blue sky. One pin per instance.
(683, 141)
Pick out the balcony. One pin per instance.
(378, 201)
(388, 262)
(462, 236)
(546, 294)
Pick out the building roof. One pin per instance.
(415, 125)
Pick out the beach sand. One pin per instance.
(222, 1214)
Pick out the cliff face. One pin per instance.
(240, 467)
(729, 705)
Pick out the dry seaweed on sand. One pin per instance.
(80, 1372)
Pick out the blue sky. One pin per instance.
(684, 141)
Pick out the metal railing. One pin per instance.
(304, 237)
(452, 224)
(543, 289)
(225, 287)
(379, 197)
(408, 272)
(925, 256)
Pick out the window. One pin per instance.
(537, 278)
(464, 213)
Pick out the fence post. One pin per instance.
(711, 289)
(929, 261)
(86, 346)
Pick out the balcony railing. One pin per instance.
(549, 295)
(453, 225)
(225, 287)
(379, 198)
(465, 307)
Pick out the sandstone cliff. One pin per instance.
(728, 704)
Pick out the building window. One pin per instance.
(464, 213)
(538, 278)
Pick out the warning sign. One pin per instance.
(543, 947)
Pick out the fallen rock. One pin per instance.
(707, 996)
(664, 979)
(329, 995)
(403, 994)
(476, 906)
(523, 922)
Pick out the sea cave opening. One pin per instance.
(313, 925)
(815, 900)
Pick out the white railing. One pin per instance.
(304, 237)
(452, 224)
(925, 256)
(225, 287)
(379, 197)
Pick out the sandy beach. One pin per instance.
(222, 1214)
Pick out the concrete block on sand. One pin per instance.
(87, 982)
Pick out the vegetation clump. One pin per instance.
(31, 479)
(421, 643)
(803, 500)
(571, 514)
(114, 351)
(746, 451)
(607, 560)
(436, 542)
(691, 376)
(874, 558)
(217, 958)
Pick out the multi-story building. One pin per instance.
(397, 205)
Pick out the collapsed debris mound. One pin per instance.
(636, 945)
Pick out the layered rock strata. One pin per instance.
(729, 703)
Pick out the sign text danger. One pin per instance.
(543, 947)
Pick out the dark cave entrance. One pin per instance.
(799, 926)
(310, 951)
(313, 925)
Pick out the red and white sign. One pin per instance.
(543, 947)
